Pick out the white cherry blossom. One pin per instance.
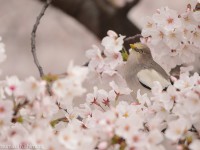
(6, 112)
(12, 86)
(177, 129)
(108, 117)
(113, 42)
(32, 88)
(195, 145)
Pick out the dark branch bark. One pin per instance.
(131, 40)
(33, 37)
(101, 14)
(33, 42)
(129, 6)
(105, 7)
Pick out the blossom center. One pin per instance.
(170, 20)
(12, 87)
(66, 138)
(34, 86)
(115, 55)
(126, 128)
(2, 109)
(126, 115)
(135, 138)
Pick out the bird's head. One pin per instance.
(140, 48)
(137, 50)
(140, 52)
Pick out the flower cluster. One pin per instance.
(166, 120)
(105, 64)
(70, 86)
(43, 113)
(107, 60)
(173, 38)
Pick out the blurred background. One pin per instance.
(68, 29)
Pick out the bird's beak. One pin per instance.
(136, 53)
(133, 47)
(137, 46)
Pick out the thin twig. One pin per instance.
(17, 109)
(33, 42)
(33, 37)
(131, 40)
(129, 6)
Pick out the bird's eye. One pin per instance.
(141, 51)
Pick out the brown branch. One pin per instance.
(131, 40)
(33, 42)
(129, 6)
(105, 7)
(33, 37)
(17, 109)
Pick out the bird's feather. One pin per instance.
(148, 76)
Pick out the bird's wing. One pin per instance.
(148, 76)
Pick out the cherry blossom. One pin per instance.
(96, 59)
(109, 59)
(12, 86)
(72, 137)
(195, 145)
(112, 42)
(172, 38)
(167, 18)
(120, 90)
(154, 138)
(49, 107)
(32, 88)
(6, 112)
(38, 112)
(177, 129)
(69, 87)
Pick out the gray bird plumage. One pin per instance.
(141, 71)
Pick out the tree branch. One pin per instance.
(105, 7)
(131, 40)
(129, 6)
(33, 42)
(33, 37)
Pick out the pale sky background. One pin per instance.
(60, 38)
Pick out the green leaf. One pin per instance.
(54, 122)
(124, 55)
(50, 78)
(20, 119)
(137, 45)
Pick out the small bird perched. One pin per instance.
(141, 70)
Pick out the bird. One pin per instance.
(140, 70)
